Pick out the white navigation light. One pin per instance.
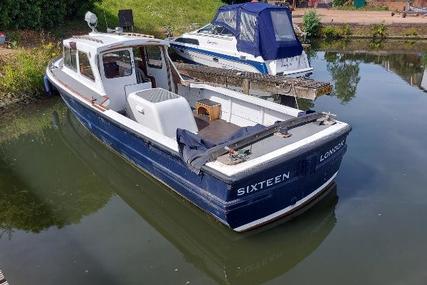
(91, 20)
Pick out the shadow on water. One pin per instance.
(210, 246)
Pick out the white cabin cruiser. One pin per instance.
(244, 160)
(253, 37)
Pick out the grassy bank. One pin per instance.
(155, 16)
(21, 73)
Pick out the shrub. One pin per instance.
(338, 3)
(24, 73)
(379, 31)
(40, 14)
(411, 32)
(330, 32)
(311, 23)
(346, 31)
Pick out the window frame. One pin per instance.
(277, 25)
(147, 59)
(131, 62)
(90, 65)
(68, 64)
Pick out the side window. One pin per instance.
(154, 56)
(282, 26)
(248, 25)
(117, 64)
(84, 66)
(70, 58)
(188, 41)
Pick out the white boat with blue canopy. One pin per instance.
(253, 37)
(243, 160)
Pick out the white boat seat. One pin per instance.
(161, 111)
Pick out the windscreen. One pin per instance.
(283, 29)
(228, 18)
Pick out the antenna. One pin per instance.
(91, 20)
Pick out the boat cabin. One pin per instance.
(115, 68)
(260, 29)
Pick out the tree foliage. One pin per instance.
(40, 14)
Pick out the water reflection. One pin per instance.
(42, 186)
(344, 71)
(343, 58)
(227, 257)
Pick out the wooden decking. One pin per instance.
(215, 131)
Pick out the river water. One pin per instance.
(72, 212)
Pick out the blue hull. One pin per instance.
(223, 198)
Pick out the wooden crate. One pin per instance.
(208, 108)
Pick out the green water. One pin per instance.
(72, 212)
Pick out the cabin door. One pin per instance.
(156, 67)
(117, 71)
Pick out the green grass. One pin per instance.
(154, 16)
(22, 74)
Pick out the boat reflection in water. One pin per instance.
(227, 257)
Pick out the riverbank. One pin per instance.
(364, 24)
(21, 72)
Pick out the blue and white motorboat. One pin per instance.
(243, 160)
(253, 37)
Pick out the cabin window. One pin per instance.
(223, 31)
(84, 66)
(154, 56)
(248, 25)
(283, 29)
(228, 18)
(117, 64)
(188, 41)
(207, 29)
(70, 58)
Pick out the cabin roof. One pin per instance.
(99, 42)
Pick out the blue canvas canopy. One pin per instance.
(261, 29)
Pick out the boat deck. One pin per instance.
(274, 142)
(215, 131)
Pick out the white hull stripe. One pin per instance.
(284, 211)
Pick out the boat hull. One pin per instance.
(219, 60)
(210, 192)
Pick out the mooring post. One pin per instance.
(246, 86)
(3, 280)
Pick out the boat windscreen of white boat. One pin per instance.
(261, 29)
